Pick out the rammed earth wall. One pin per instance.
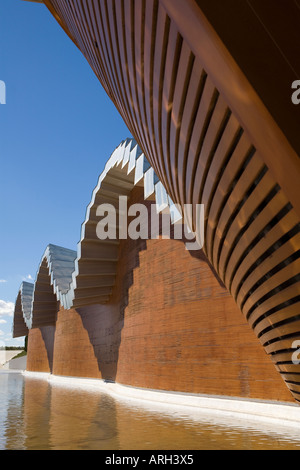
(170, 325)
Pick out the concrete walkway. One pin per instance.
(6, 356)
(7, 361)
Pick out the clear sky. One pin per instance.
(57, 130)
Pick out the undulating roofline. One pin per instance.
(76, 278)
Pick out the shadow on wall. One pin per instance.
(96, 353)
(104, 323)
(48, 335)
(40, 349)
(199, 254)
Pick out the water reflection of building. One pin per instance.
(57, 418)
(36, 414)
(11, 434)
(215, 131)
(82, 421)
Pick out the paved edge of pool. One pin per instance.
(259, 411)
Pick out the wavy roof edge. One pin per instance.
(63, 264)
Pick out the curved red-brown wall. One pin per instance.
(170, 325)
(40, 349)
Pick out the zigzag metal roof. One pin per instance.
(78, 278)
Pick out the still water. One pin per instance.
(37, 415)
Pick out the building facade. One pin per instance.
(206, 119)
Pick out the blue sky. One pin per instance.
(57, 130)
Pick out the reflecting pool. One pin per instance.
(38, 415)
